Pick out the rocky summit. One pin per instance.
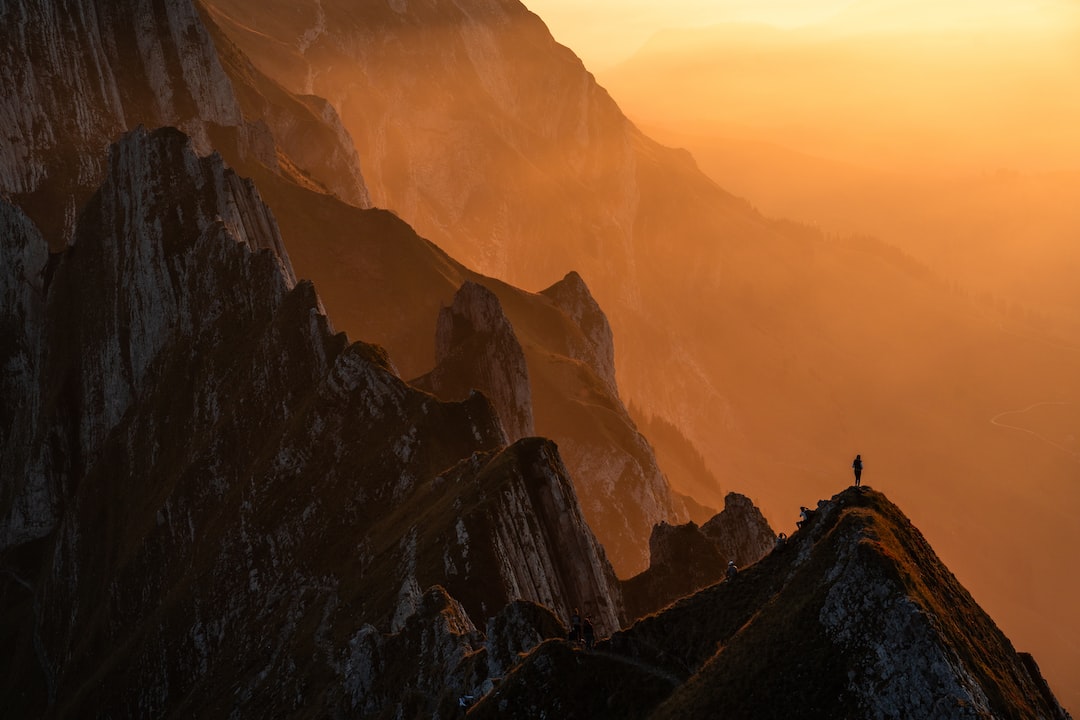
(214, 504)
(853, 617)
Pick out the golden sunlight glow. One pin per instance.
(945, 130)
(604, 32)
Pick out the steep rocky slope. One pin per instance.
(777, 348)
(855, 617)
(476, 348)
(685, 558)
(619, 483)
(226, 463)
(80, 74)
(381, 282)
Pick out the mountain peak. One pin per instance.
(855, 616)
(572, 296)
(476, 348)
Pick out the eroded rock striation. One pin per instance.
(685, 558)
(855, 617)
(226, 463)
(550, 355)
(476, 348)
(79, 74)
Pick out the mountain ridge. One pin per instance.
(832, 624)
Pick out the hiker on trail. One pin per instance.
(590, 633)
(781, 540)
(804, 516)
(732, 571)
(857, 467)
(575, 627)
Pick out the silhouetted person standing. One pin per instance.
(857, 467)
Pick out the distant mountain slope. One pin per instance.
(778, 349)
(855, 617)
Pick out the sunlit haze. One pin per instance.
(605, 32)
(947, 132)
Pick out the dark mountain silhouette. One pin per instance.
(686, 558)
(854, 617)
(775, 347)
(85, 72)
(212, 503)
(225, 463)
(299, 154)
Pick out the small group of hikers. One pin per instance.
(582, 632)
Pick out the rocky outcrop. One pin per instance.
(572, 296)
(297, 136)
(225, 463)
(855, 617)
(515, 631)
(686, 558)
(124, 295)
(551, 354)
(378, 665)
(80, 74)
(740, 532)
(476, 348)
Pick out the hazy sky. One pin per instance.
(604, 32)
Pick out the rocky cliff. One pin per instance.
(82, 73)
(565, 370)
(476, 348)
(226, 463)
(855, 617)
(686, 558)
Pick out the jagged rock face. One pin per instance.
(379, 665)
(128, 292)
(854, 618)
(298, 137)
(686, 558)
(682, 561)
(80, 74)
(519, 628)
(539, 540)
(572, 296)
(567, 366)
(476, 348)
(739, 531)
(26, 498)
(622, 489)
(231, 465)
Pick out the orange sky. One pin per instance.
(945, 128)
(604, 32)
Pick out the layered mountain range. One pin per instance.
(213, 503)
(778, 349)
